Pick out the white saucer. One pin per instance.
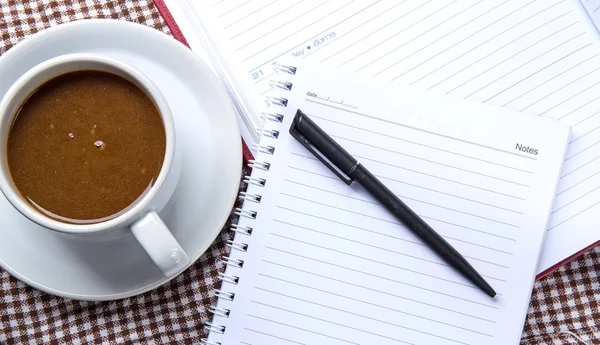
(209, 182)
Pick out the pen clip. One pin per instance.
(304, 142)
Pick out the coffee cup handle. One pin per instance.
(156, 238)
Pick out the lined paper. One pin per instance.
(592, 7)
(326, 264)
(535, 56)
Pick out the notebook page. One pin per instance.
(592, 7)
(327, 265)
(535, 56)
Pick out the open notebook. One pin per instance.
(540, 57)
(315, 261)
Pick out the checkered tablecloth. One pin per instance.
(564, 308)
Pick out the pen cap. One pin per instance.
(313, 135)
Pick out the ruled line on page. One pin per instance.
(488, 41)
(575, 215)
(367, 303)
(551, 79)
(394, 180)
(296, 46)
(408, 198)
(302, 329)
(373, 217)
(248, 43)
(458, 43)
(510, 57)
(249, 14)
(297, 226)
(385, 263)
(416, 186)
(560, 88)
(585, 149)
(328, 43)
(391, 265)
(435, 220)
(418, 287)
(233, 9)
(420, 201)
(586, 133)
(579, 197)
(501, 227)
(592, 8)
(578, 183)
(265, 20)
(429, 161)
(296, 32)
(381, 28)
(421, 172)
(382, 234)
(454, 182)
(396, 34)
(354, 241)
(419, 129)
(351, 226)
(274, 336)
(589, 116)
(425, 160)
(534, 73)
(363, 287)
(422, 144)
(416, 37)
(583, 165)
(569, 98)
(429, 44)
(360, 329)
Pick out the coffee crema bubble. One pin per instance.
(99, 144)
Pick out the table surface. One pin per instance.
(564, 307)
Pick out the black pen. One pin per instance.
(349, 170)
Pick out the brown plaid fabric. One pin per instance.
(564, 307)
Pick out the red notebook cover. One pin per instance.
(164, 11)
(170, 21)
(566, 261)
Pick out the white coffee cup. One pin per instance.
(140, 218)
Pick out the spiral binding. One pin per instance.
(229, 296)
(233, 262)
(250, 197)
(273, 117)
(242, 247)
(206, 342)
(271, 133)
(228, 278)
(214, 328)
(281, 84)
(245, 230)
(282, 102)
(259, 165)
(246, 213)
(219, 311)
(264, 149)
(255, 181)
